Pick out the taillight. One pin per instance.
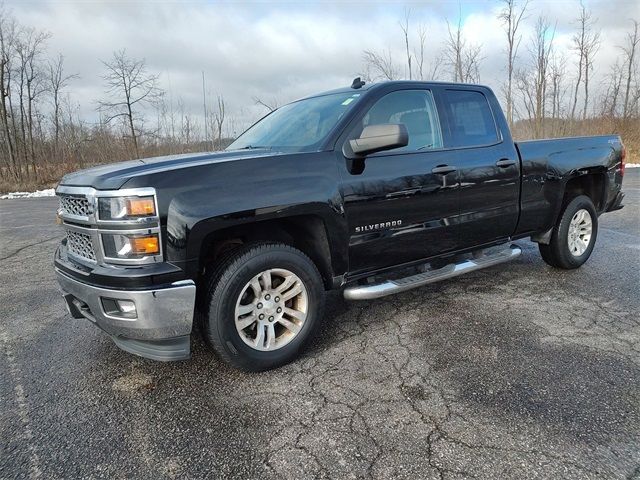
(623, 156)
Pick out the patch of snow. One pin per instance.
(632, 165)
(49, 192)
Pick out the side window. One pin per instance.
(470, 119)
(416, 110)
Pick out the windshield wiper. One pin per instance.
(254, 147)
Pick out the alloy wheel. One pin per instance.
(271, 309)
(580, 231)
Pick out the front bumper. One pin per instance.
(164, 316)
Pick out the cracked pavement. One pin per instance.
(516, 371)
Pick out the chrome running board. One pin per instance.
(389, 287)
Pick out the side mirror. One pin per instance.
(377, 138)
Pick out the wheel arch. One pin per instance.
(590, 182)
(308, 233)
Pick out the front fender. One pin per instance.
(267, 189)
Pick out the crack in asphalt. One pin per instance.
(34, 244)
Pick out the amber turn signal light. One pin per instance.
(140, 207)
(145, 245)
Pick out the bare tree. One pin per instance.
(613, 89)
(204, 108)
(30, 72)
(533, 83)
(590, 49)
(511, 15)
(381, 64)
(633, 40)
(557, 73)
(130, 87)
(578, 40)
(542, 47)
(269, 105)
(7, 40)
(405, 31)
(218, 119)
(419, 53)
(454, 47)
(586, 42)
(58, 80)
(462, 57)
(188, 128)
(432, 70)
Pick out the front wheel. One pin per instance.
(265, 302)
(574, 236)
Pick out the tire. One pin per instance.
(580, 210)
(234, 303)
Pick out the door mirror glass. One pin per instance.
(376, 138)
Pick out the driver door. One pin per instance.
(400, 204)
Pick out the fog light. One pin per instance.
(116, 307)
(126, 306)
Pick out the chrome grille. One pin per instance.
(81, 245)
(78, 214)
(78, 206)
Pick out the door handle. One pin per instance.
(505, 162)
(443, 169)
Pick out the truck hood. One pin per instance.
(114, 175)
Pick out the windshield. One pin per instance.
(300, 126)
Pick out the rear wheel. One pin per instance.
(265, 302)
(574, 236)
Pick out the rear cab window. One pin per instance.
(470, 119)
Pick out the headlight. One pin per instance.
(126, 208)
(133, 246)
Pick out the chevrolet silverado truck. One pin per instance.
(371, 189)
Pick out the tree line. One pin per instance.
(43, 135)
(545, 93)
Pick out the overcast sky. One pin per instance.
(283, 50)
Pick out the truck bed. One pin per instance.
(547, 165)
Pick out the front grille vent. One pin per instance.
(72, 205)
(81, 245)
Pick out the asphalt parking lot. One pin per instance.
(517, 371)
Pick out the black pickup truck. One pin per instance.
(372, 189)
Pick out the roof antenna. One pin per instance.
(357, 83)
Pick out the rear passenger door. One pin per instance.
(488, 167)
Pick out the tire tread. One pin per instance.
(556, 253)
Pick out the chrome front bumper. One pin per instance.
(164, 316)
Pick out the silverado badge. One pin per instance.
(378, 226)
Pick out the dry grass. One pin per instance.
(628, 130)
(7, 186)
